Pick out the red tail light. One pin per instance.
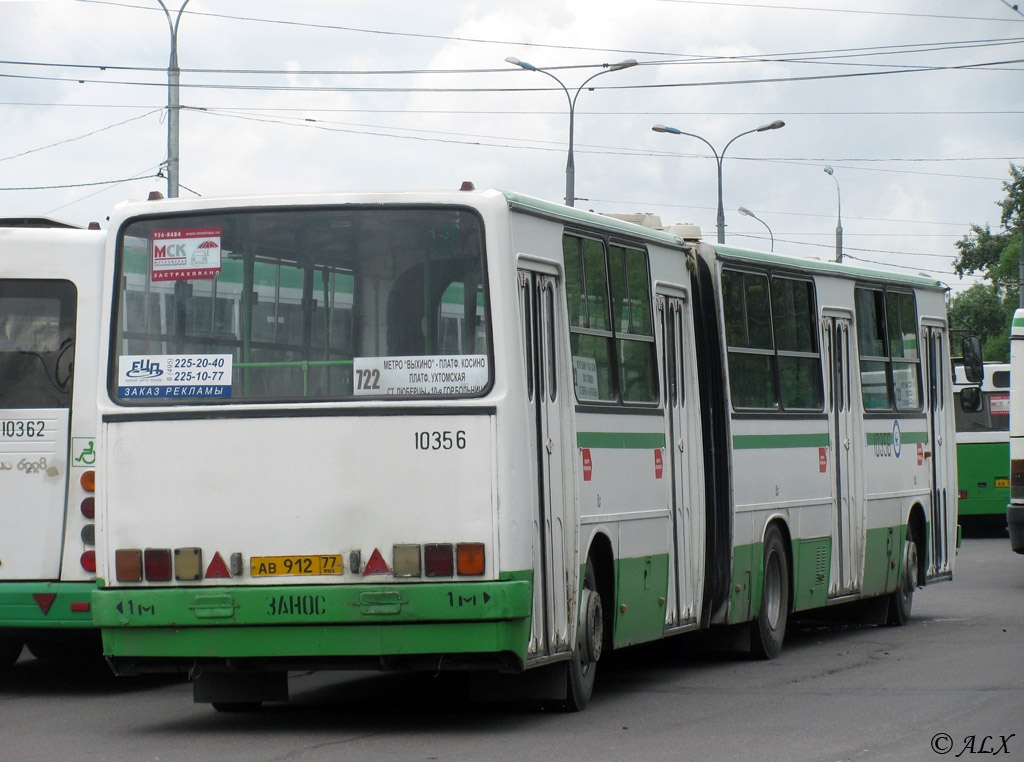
(157, 563)
(89, 560)
(89, 507)
(437, 560)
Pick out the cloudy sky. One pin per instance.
(917, 105)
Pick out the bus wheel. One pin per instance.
(10, 650)
(589, 638)
(769, 629)
(902, 599)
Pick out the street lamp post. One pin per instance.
(747, 213)
(777, 124)
(570, 164)
(173, 105)
(839, 218)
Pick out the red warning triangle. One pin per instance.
(217, 567)
(376, 564)
(44, 601)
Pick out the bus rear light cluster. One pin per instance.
(1016, 479)
(464, 559)
(160, 564)
(88, 508)
(439, 560)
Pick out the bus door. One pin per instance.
(684, 455)
(554, 586)
(939, 438)
(847, 521)
(37, 341)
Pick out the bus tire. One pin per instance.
(769, 629)
(582, 668)
(10, 650)
(902, 599)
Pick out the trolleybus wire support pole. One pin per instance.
(173, 104)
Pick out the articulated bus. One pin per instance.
(983, 444)
(1015, 507)
(50, 284)
(474, 430)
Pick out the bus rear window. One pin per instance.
(37, 343)
(993, 416)
(301, 304)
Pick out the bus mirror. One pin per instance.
(970, 399)
(973, 368)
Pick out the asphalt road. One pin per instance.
(949, 685)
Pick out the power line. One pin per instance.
(521, 112)
(987, 65)
(804, 8)
(77, 185)
(80, 137)
(824, 57)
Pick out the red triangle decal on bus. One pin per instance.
(44, 601)
(376, 564)
(217, 567)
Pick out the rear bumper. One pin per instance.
(1015, 524)
(321, 626)
(46, 605)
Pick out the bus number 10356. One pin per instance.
(440, 440)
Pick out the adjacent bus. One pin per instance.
(476, 430)
(50, 283)
(1015, 507)
(983, 444)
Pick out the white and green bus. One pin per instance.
(983, 444)
(476, 430)
(1015, 507)
(49, 335)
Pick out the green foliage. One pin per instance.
(986, 308)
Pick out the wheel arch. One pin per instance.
(600, 551)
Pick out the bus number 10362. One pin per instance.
(440, 440)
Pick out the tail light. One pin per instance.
(157, 564)
(89, 560)
(470, 558)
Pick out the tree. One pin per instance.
(986, 308)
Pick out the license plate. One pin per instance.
(294, 566)
(1002, 482)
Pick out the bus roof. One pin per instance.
(832, 268)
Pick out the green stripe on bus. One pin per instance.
(778, 441)
(618, 440)
(1018, 322)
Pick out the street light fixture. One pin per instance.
(777, 124)
(570, 164)
(839, 219)
(173, 106)
(747, 213)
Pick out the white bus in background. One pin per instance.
(476, 430)
(49, 336)
(1015, 508)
